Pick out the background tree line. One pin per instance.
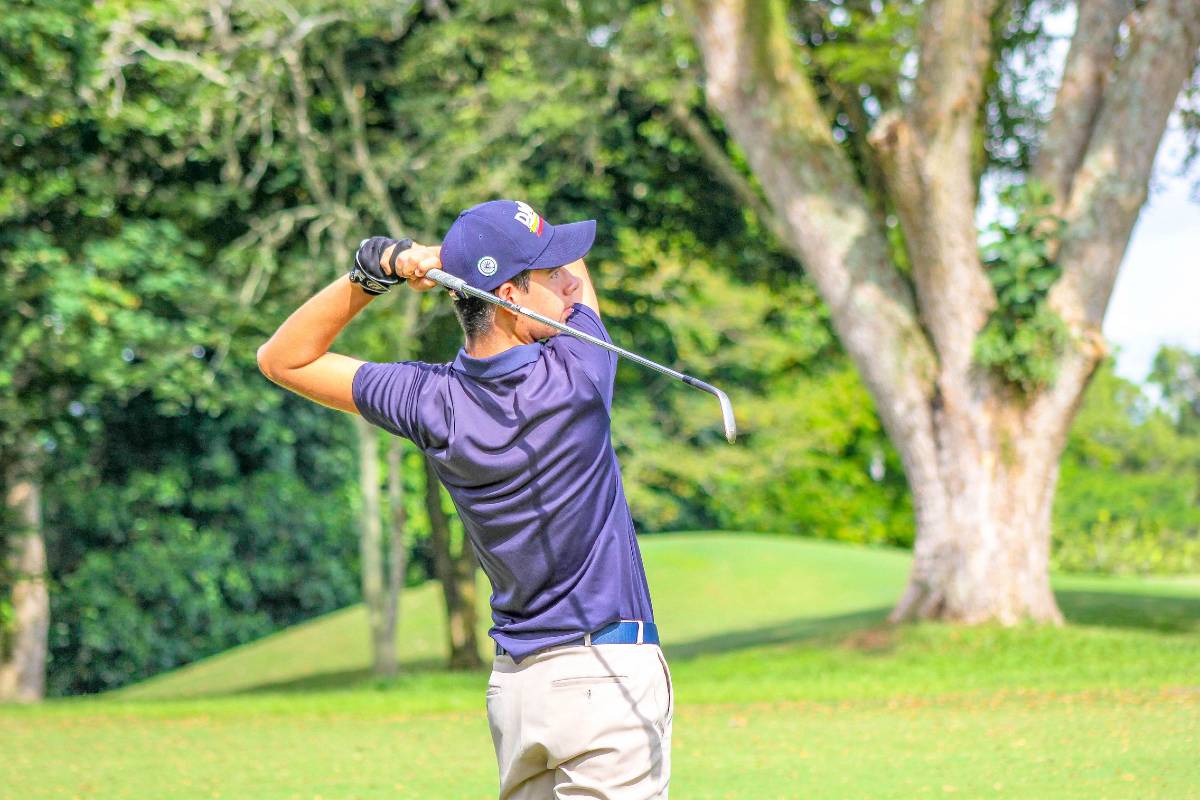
(178, 176)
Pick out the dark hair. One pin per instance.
(475, 315)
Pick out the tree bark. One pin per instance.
(457, 575)
(1086, 73)
(926, 152)
(24, 642)
(986, 557)
(383, 640)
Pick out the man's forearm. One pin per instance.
(307, 334)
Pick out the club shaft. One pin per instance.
(459, 285)
(450, 282)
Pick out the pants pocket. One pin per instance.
(662, 659)
(588, 680)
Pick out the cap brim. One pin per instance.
(571, 242)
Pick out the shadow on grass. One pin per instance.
(1163, 613)
(346, 679)
(794, 631)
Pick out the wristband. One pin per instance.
(368, 284)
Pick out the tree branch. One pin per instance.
(926, 152)
(753, 79)
(1112, 181)
(1109, 186)
(1085, 75)
(301, 93)
(211, 73)
(369, 173)
(718, 160)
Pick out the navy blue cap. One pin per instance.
(495, 241)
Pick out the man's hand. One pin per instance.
(412, 264)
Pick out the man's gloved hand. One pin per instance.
(369, 271)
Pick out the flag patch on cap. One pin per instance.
(529, 218)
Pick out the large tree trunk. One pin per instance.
(383, 640)
(983, 540)
(982, 465)
(457, 575)
(24, 640)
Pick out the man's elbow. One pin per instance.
(265, 365)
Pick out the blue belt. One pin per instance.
(624, 632)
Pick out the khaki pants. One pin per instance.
(583, 721)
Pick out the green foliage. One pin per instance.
(1128, 544)
(811, 458)
(1021, 75)
(1176, 375)
(173, 537)
(858, 44)
(1023, 338)
(105, 289)
(1129, 491)
(7, 621)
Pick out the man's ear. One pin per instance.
(506, 291)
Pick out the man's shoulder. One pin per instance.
(391, 376)
(412, 367)
(598, 363)
(432, 367)
(423, 367)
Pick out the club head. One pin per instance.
(727, 416)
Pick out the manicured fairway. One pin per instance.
(787, 686)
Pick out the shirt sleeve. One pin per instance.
(598, 363)
(390, 395)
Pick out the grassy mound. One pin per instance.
(711, 592)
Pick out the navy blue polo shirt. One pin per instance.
(521, 440)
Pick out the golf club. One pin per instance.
(459, 285)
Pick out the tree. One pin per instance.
(1176, 373)
(83, 310)
(976, 362)
(333, 120)
(25, 617)
(283, 108)
(1130, 478)
(173, 536)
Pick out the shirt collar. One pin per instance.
(500, 364)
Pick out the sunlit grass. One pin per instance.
(788, 684)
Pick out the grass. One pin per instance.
(787, 685)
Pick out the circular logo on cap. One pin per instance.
(487, 266)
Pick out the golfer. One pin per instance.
(579, 702)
